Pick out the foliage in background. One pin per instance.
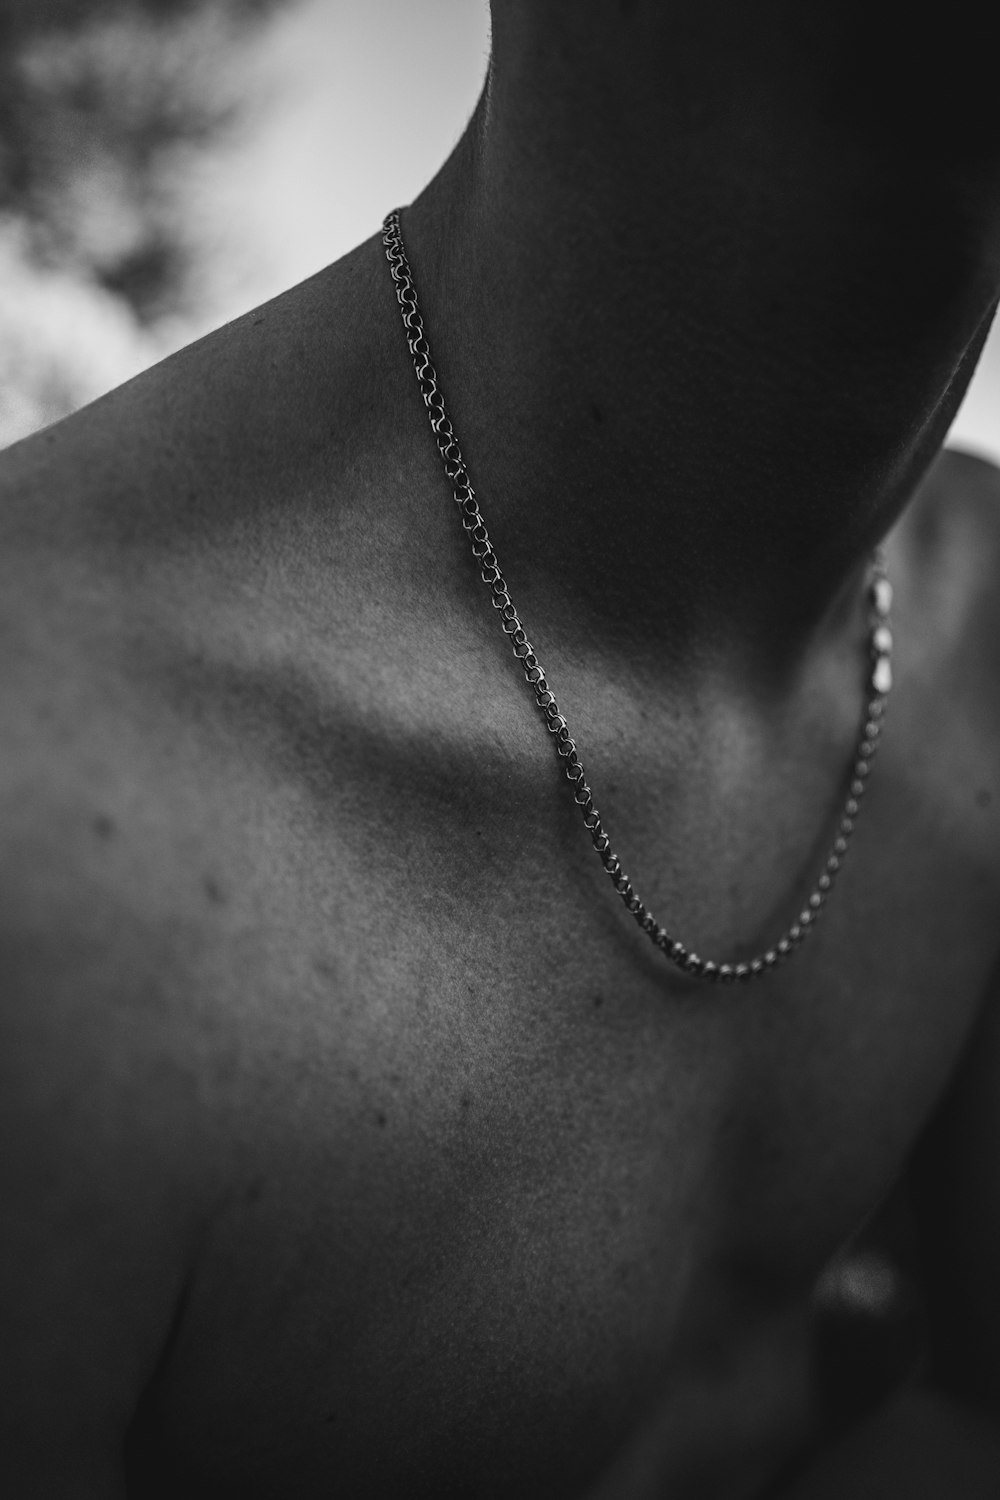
(105, 109)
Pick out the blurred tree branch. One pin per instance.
(109, 109)
(100, 103)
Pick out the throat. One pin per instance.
(493, 577)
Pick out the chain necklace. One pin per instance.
(878, 684)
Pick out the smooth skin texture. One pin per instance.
(356, 1141)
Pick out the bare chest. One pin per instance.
(496, 1188)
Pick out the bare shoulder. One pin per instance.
(164, 552)
(944, 559)
(954, 540)
(149, 551)
(164, 556)
(96, 1070)
(171, 523)
(176, 562)
(97, 1081)
(291, 386)
(196, 512)
(951, 532)
(949, 550)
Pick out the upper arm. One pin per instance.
(103, 1183)
(955, 1171)
(95, 1226)
(956, 1193)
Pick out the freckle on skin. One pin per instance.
(466, 1102)
(984, 797)
(596, 413)
(381, 1119)
(214, 891)
(598, 1001)
(104, 826)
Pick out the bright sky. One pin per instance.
(363, 102)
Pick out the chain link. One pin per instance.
(878, 684)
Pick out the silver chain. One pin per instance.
(879, 680)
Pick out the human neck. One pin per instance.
(692, 385)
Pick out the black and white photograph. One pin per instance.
(499, 750)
